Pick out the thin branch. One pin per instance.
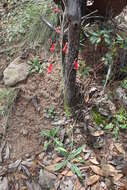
(84, 17)
(107, 76)
(48, 23)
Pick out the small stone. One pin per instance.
(16, 71)
(27, 155)
(67, 184)
(46, 179)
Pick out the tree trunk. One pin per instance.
(73, 16)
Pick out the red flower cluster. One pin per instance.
(52, 49)
(76, 64)
(50, 68)
(56, 10)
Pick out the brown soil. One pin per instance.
(26, 123)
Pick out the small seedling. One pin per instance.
(119, 122)
(51, 112)
(70, 158)
(52, 138)
(35, 66)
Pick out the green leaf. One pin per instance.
(54, 132)
(98, 40)
(58, 142)
(46, 145)
(123, 126)
(60, 165)
(62, 151)
(80, 160)
(109, 126)
(76, 152)
(45, 133)
(93, 40)
(76, 170)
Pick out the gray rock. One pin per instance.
(105, 106)
(13, 166)
(46, 179)
(67, 184)
(16, 71)
(121, 95)
(4, 183)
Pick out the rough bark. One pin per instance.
(73, 16)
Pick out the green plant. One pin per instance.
(52, 138)
(119, 121)
(83, 69)
(124, 84)
(70, 158)
(35, 66)
(51, 112)
(100, 35)
(98, 118)
(7, 97)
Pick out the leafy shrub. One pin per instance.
(112, 46)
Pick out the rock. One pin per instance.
(16, 71)
(46, 180)
(27, 155)
(121, 95)
(67, 184)
(105, 106)
(13, 166)
(4, 183)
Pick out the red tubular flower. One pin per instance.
(50, 68)
(52, 49)
(65, 48)
(56, 10)
(76, 64)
